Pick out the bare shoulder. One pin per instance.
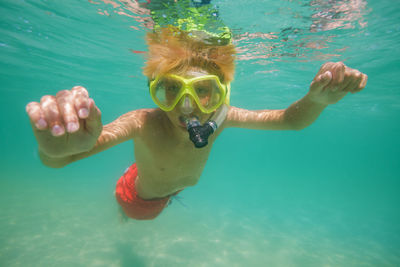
(130, 123)
(124, 128)
(254, 119)
(137, 116)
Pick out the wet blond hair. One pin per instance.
(174, 50)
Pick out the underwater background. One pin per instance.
(328, 195)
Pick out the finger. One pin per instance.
(355, 79)
(36, 115)
(81, 99)
(338, 70)
(348, 79)
(65, 100)
(321, 81)
(52, 115)
(362, 84)
(325, 67)
(93, 121)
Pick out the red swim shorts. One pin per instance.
(134, 206)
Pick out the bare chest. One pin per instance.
(167, 165)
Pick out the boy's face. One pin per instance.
(186, 107)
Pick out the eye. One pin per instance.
(204, 88)
(172, 88)
(202, 91)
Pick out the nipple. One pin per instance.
(186, 106)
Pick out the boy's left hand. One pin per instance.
(333, 81)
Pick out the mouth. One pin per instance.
(182, 121)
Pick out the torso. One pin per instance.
(167, 160)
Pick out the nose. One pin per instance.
(186, 105)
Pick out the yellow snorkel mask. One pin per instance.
(207, 91)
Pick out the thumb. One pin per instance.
(93, 121)
(321, 81)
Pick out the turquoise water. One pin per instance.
(328, 195)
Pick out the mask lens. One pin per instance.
(166, 90)
(209, 93)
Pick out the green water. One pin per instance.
(328, 195)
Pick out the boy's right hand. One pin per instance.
(66, 124)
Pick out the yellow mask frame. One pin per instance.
(187, 89)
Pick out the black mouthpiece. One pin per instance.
(198, 133)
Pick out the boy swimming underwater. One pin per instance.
(189, 80)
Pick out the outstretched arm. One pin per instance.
(120, 130)
(68, 127)
(332, 82)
